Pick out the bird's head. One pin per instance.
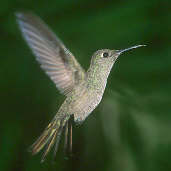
(107, 56)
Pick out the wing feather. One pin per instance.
(54, 58)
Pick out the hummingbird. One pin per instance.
(83, 89)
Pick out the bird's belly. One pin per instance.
(85, 104)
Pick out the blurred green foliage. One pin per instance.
(130, 129)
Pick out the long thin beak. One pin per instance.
(124, 50)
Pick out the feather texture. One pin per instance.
(55, 59)
(50, 136)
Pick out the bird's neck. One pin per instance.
(97, 76)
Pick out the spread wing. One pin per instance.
(55, 59)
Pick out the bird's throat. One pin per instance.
(97, 76)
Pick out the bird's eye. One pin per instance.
(105, 54)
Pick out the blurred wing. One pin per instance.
(59, 64)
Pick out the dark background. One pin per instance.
(131, 128)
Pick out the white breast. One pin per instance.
(86, 104)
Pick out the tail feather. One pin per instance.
(49, 136)
(57, 141)
(68, 136)
(42, 140)
(49, 146)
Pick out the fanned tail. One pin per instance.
(50, 136)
